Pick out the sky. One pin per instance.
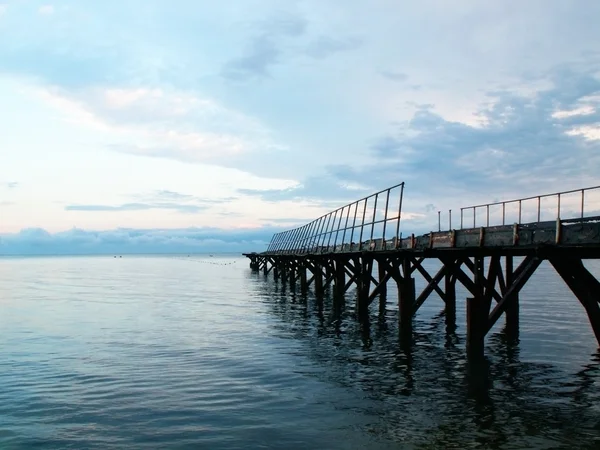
(193, 126)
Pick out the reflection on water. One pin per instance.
(161, 352)
(429, 394)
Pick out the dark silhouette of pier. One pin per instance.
(493, 253)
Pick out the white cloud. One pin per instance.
(161, 123)
(46, 10)
(591, 133)
(3, 8)
(582, 111)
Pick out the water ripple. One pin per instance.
(147, 352)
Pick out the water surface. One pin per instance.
(199, 352)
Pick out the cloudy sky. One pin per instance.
(189, 125)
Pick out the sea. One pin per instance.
(199, 352)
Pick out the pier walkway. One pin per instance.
(493, 252)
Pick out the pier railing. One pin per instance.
(378, 215)
(576, 203)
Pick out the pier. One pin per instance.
(493, 250)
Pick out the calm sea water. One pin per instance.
(198, 352)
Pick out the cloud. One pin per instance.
(160, 199)
(9, 184)
(394, 76)
(165, 123)
(322, 189)
(183, 208)
(325, 46)
(265, 49)
(3, 9)
(268, 47)
(526, 142)
(124, 241)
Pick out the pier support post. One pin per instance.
(303, 281)
(328, 271)
(293, 267)
(283, 273)
(339, 285)
(265, 266)
(450, 300)
(363, 266)
(318, 274)
(383, 287)
(584, 285)
(406, 301)
(512, 308)
(254, 264)
(477, 314)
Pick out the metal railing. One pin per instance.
(530, 209)
(364, 218)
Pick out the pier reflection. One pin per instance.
(427, 392)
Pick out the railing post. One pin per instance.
(276, 243)
(461, 218)
(503, 213)
(281, 240)
(309, 233)
(539, 205)
(487, 207)
(305, 231)
(374, 216)
(474, 214)
(582, 201)
(346, 226)
(449, 220)
(324, 234)
(399, 214)
(290, 241)
(558, 205)
(519, 212)
(387, 201)
(271, 243)
(439, 221)
(290, 244)
(337, 231)
(362, 225)
(332, 227)
(315, 236)
(353, 225)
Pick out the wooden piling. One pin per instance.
(450, 300)
(512, 308)
(476, 313)
(339, 286)
(383, 288)
(406, 300)
(318, 275)
(293, 268)
(585, 287)
(363, 284)
(303, 280)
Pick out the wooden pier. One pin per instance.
(493, 261)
